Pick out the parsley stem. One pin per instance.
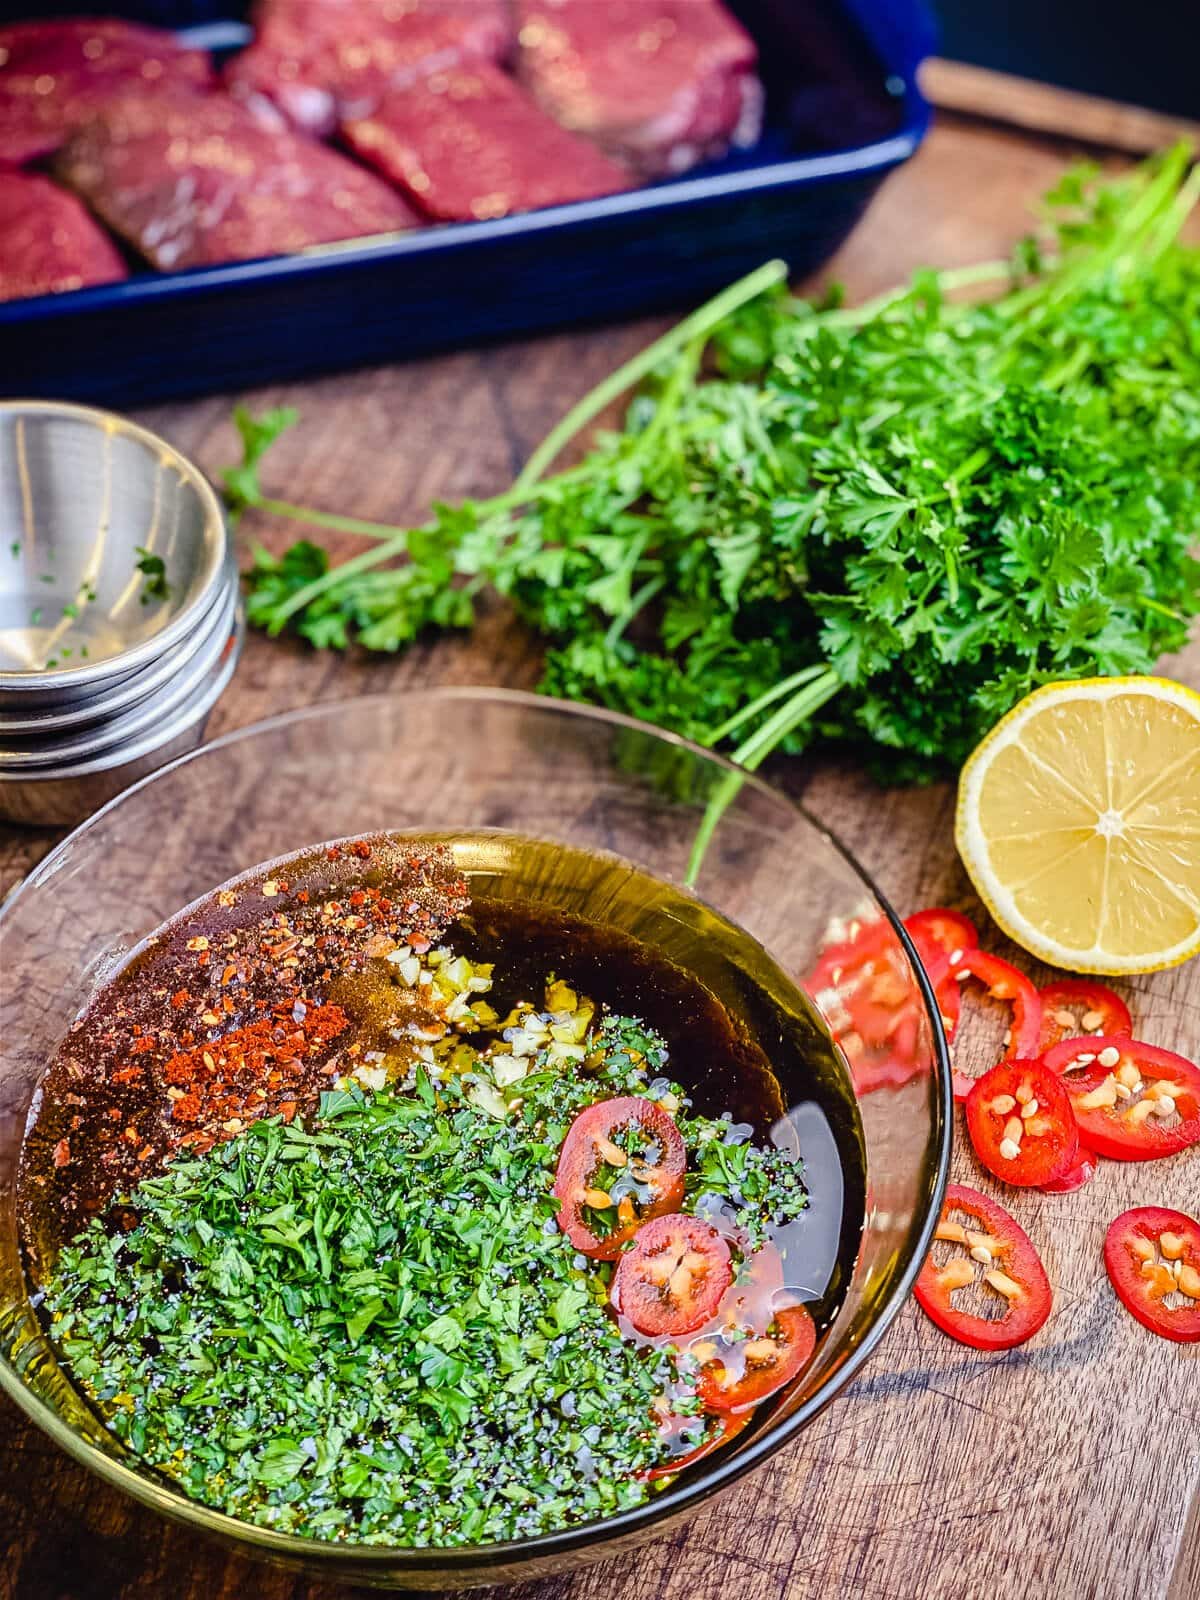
(393, 540)
(1070, 366)
(642, 598)
(948, 281)
(328, 519)
(784, 686)
(1139, 217)
(699, 324)
(395, 546)
(752, 753)
(1177, 214)
(968, 468)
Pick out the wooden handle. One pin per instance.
(1042, 108)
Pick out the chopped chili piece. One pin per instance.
(863, 985)
(1074, 1006)
(1004, 982)
(634, 1146)
(940, 929)
(997, 1253)
(1153, 1259)
(1133, 1101)
(1021, 1124)
(671, 1279)
(741, 1372)
(711, 1430)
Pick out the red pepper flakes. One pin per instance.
(224, 1081)
(168, 1006)
(62, 1153)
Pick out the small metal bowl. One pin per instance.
(62, 796)
(70, 745)
(90, 505)
(129, 691)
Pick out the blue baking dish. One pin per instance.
(843, 109)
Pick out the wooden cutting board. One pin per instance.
(1069, 1470)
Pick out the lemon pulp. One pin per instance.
(1079, 822)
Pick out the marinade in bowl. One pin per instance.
(381, 1198)
(617, 807)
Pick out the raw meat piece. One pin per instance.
(470, 143)
(658, 84)
(320, 61)
(54, 75)
(48, 242)
(192, 180)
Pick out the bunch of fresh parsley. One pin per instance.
(882, 525)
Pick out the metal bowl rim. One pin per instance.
(127, 661)
(188, 712)
(112, 729)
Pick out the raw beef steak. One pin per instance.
(469, 143)
(54, 75)
(658, 84)
(191, 180)
(323, 60)
(47, 240)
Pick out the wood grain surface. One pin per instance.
(1068, 1470)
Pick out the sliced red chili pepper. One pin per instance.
(1072, 1006)
(867, 976)
(1132, 1101)
(863, 984)
(1021, 1124)
(711, 1430)
(1153, 1256)
(1003, 982)
(843, 956)
(939, 932)
(1080, 1174)
(621, 1163)
(886, 1072)
(737, 1375)
(1009, 1268)
(944, 930)
(673, 1277)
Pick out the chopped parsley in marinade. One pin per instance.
(370, 1326)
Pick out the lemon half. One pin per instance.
(1079, 823)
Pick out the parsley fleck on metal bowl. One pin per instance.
(114, 548)
(119, 614)
(492, 765)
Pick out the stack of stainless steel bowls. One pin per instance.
(120, 622)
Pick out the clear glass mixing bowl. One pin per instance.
(443, 760)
